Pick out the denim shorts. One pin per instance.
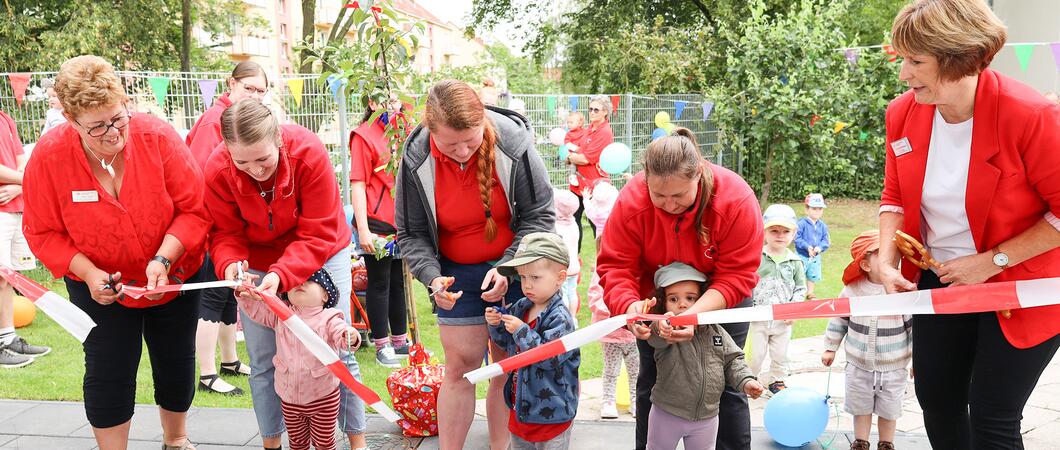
(813, 267)
(470, 308)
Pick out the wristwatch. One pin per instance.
(1000, 258)
(166, 262)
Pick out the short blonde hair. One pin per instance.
(577, 115)
(88, 82)
(964, 35)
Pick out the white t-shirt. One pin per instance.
(942, 205)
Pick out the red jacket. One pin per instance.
(206, 134)
(68, 212)
(591, 144)
(294, 235)
(1013, 181)
(10, 150)
(640, 238)
(368, 160)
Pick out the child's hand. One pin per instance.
(355, 338)
(789, 322)
(827, 358)
(493, 318)
(753, 389)
(511, 323)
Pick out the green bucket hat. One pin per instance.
(533, 247)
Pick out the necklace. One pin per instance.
(109, 167)
(264, 192)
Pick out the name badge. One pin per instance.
(85, 196)
(901, 147)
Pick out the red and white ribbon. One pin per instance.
(71, 318)
(140, 291)
(326, 355)
(1008, 295)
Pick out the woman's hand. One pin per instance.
(893, 281)
(442, 297)
(9, 192)
(269, 283)
(500, 286)
(157, 276)
(639, 307)
(97, 281)
(968, 270)
(366, 239)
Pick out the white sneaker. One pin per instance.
(633, 409)
(608, 411)
(386, 357)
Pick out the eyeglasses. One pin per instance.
(252, 89)
(99, 130)
(595, 110)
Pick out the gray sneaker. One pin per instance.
(20, 346)
(386, 357)
(12, 360)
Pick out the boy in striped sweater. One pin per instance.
(878, 350)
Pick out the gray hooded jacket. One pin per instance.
(522, 175)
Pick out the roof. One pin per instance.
(412, 8)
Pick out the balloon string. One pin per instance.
(827, 397)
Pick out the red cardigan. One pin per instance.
(294, 235)
(640, 238)
(206, 134)
(1013, 181)
(161, 193)
(368, 160)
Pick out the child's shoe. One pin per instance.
(859, 444)
(633, 409)
(386, 357)
(777, 386)
(608, 411)
(884, 445)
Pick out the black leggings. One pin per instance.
(113, 349)
(734, 418)
(578, 221)
(971, 383)
(385, 296)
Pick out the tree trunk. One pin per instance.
(767, 178)
(185, 42)
(309, 13)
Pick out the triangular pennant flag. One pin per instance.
(839, 126)
(19, 82)
(1056, 54)
(160, 86)
(814, 119)
(679, 107)
(851, 54)
(334, 84)
(573, 100)
(1023, 54)
(863, 135)
(550, 103)
(295, 86)
(208, 88)
(889, 49)
(614, 102)
(707, 108)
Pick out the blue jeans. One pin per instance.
(261, 346)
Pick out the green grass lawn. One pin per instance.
(58, 375)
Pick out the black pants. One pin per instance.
(971, 383)
(113, 348)
(385, 296)
(734, 418)
(578, 221)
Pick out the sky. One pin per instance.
(457, 11)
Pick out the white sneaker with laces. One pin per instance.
(608, 411)
(386, 357)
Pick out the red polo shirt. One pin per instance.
(68, 212)
(368, 160)
(461, 216)
(10, 149)
(206, 133)
(591, 144)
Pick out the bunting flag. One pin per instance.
(1011, 295)
(1023, 54)
(64, 313)
(679, 108)
(1055, 46)
(888, 49)
(334, 84)
(614, 102)
(207, 88)
(327, 356)
(550, 103)
(863, 135)
(160, 86)
(573, 100)
(839, 126)
(708, 107)
(19, 83)
(295, 86)
(814, 119)
(851, 54)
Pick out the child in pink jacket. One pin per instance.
(309, 393)
(620, 344)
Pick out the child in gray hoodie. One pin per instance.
(697, 371)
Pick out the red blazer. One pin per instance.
(640, 238)
(206, 133)
(294, 235)
(1013, 181)
(67, 212)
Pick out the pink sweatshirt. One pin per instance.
(300, 377)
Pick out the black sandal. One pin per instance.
(206, 383)
(235, 368)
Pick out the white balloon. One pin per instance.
(556, 136)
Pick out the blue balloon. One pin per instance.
(616, 158)
(658, 133)
(796, 416)
(563, 152)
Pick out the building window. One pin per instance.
(283, 30)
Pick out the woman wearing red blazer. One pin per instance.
(217, 308)
(973, 172)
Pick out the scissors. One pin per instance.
(111, 283)
(241, 276)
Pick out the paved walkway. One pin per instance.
(62, 425)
